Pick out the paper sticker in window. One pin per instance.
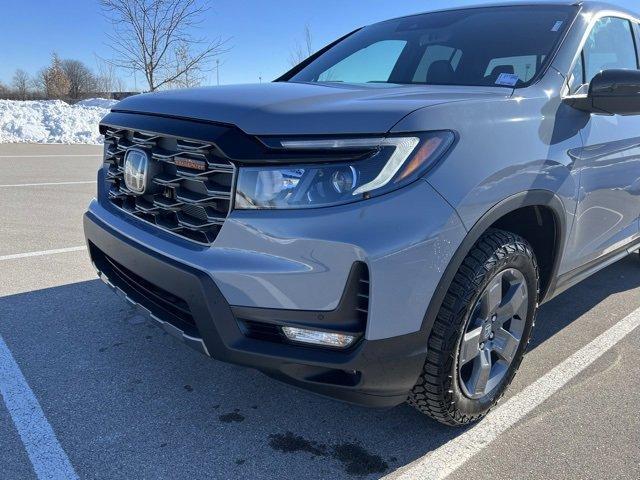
(507, 79)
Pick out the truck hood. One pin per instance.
(284, 108)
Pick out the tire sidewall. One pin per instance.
(523, 262)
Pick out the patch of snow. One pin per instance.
(51, 121)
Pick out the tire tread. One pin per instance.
(432, 393)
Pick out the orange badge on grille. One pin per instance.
(190, 163)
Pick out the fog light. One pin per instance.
(316, 337)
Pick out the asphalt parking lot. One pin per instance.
(122, 399)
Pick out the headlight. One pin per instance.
(393, 163)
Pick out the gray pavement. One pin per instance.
(49, 169)
(43, 217)
(127, 401)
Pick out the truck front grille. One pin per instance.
(192, 186)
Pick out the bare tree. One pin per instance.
(107, 80)
(81, 79)
(119, 85)
(37, 83)
(192, 77)
(52, 80)
(150, 37)
(302, 51)
(21, 82)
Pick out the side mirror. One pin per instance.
(611, 92)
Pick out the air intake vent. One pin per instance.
(363, 293)
(262, 331)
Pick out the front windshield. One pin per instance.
(492, 46)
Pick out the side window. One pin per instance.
(371, 64)
(610, 45)
(436, 53)
(576, 77)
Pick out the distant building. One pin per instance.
(120, 95)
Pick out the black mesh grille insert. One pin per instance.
(165, 305)
(262, 331)
(191, 189)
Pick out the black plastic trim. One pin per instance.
(611, 92)
(230, 140)
(234, 144)
(569, 279)
(159, 302)
(520, 200)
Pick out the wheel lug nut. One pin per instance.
(491, 336)
(482, 346)
(494, 318)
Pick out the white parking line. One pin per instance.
(445, 460)
(42, 253)
(48, 458)
(47, 184)
(53, 156)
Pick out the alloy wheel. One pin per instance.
(493, 334)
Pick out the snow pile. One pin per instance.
(97, 102)
(52, 121)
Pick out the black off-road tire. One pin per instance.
(438, 392)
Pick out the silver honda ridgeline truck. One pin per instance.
(380, 224)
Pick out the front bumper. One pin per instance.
(292, 264)
(376, 373)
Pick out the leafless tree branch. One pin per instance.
(156, 37)
(301, 52)
(21, 83)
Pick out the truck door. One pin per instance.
(607, 217)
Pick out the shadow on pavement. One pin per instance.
(126, 400)
(575, 302)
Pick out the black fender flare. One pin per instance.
(529, 198)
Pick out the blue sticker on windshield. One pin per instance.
(507, 79)
(557, 26)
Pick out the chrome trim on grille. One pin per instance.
(187, 202)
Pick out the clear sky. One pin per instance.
(262, 32)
